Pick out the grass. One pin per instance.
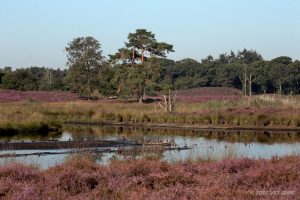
(258, 111)
(81, 178)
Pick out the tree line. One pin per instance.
(141, 67)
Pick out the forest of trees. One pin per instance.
(141, 67)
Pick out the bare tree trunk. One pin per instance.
(166, 103)
(245, 80)
(142, 94)
(173, 101)
(169, 102)
(280, 88)
(89, 83)
(49, 76)
(141, 99)
(244, 85)
(250, 88)
(250, 83)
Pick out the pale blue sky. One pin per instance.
(35, 32)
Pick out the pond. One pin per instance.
(203, 145)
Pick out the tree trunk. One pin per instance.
(133, 58)
(245, 80)
(250, 83)
(280, 87)
(141, 99)
(142, 94)
(89, 87)
(142, 55)
(250, 88)
(166, 103)
(244, 86)
(169, 102)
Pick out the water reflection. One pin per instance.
(268, 137)
(28, 137)
(206, 145)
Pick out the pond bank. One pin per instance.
(231, 115)
(62, 144)
(184, 126)
(38, 128)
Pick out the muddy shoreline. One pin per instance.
(62, 144)
(183, 127)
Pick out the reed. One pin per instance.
(262, 111)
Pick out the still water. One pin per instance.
(204, 145)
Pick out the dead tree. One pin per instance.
(169, 102)
(247, 80)
(244, 82)
(250, 81)
(48, 76)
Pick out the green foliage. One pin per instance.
(141, 68)
(23, 79)
(279, 75)
(33, 78)
(282, 60)
(84, 61)
(53, 80)
(145, 43)
(105, 76)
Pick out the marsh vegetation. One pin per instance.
(263, 111)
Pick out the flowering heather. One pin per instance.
(191, 95)
(19, 96)
(204, 94)
(278, 178)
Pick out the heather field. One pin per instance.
(192, 95)
(23, 96)
(205, 94)
(81, 178)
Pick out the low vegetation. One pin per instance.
(80, 178)
(259, 111)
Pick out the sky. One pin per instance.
(36, 32)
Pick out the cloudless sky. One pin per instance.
(35, 32)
